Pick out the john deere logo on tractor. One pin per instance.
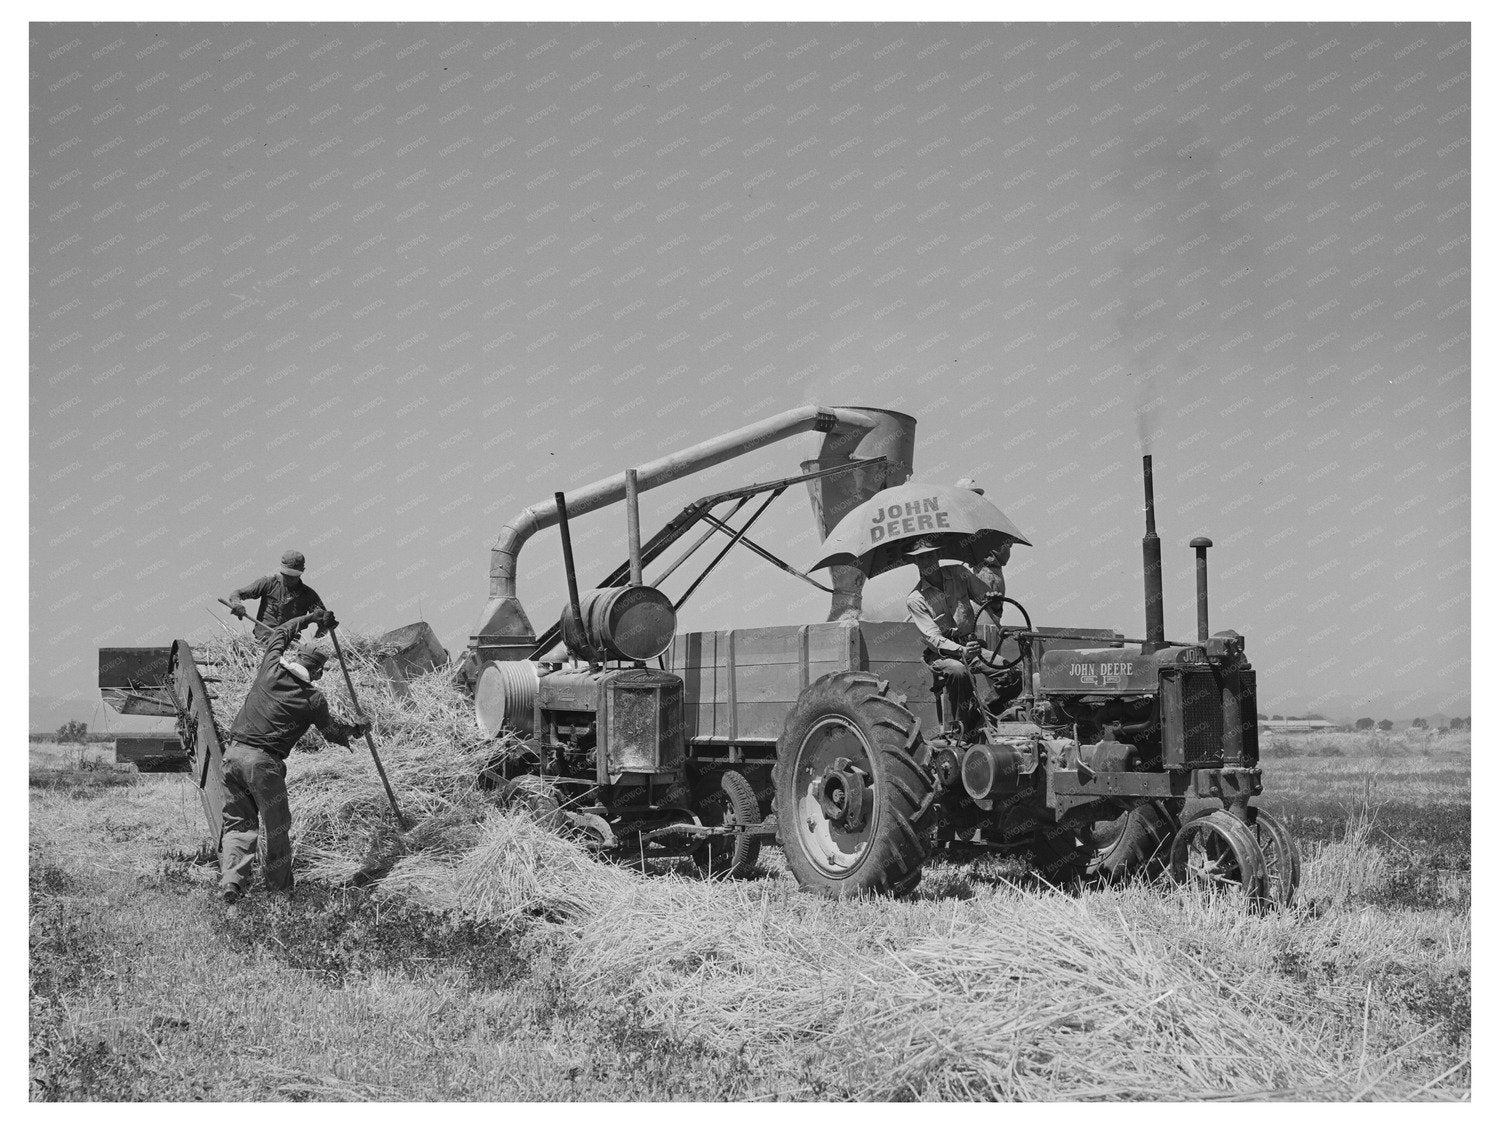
(908, 519)
(1101, 674)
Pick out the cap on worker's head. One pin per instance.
(311, 657)
(970, 483)
(292, 562)
(923, 547)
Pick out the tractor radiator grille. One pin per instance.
(1208, 718)
(643, 730)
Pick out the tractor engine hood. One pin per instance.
(1114, 671)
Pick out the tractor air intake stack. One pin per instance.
(1156, 626)
(1200, 547)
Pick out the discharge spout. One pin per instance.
(850, 433)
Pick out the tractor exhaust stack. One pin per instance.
(1156, 626)
(633, 526)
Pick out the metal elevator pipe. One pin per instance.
(851, 433)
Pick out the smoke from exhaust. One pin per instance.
(1182, 214)
(1147, 404)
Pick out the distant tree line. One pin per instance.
(1416, 724)
(1370, 724)
(72, 731)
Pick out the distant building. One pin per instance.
(1297, 726)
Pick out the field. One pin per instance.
(585, 981)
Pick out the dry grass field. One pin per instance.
(497, 961)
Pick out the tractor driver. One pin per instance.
(942, 606)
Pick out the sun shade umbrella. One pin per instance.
(876, 535)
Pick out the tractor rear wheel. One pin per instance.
(720, 801)
(853, 789)
(1135, 844)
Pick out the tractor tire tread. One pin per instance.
(904, 784)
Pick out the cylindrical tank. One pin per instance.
(630, 622)
(505, 696)
(990, 769)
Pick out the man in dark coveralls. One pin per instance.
(281, 705)
(283, 595)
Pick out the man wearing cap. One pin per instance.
(283, 595)
(942, 606)
(281, 705)
(991, 568)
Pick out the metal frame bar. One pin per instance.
(719, 525)
(738, 535)
(708, 534)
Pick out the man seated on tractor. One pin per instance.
(942, 606)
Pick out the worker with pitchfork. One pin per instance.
(282, 703)
(283, 595)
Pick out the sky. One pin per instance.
(369, 291)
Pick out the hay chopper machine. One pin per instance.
(830, 737)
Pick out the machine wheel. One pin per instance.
(1283, 861)
(853, 789)
(534, 796)
(1060, 854)
(1134, 844)
(1218, 854)
(729, 799)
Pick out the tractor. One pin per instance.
(831, 738)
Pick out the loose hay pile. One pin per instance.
(429, 745)
(993, 992)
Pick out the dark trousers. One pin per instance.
(991, 685)
(255, 783)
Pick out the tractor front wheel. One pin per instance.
(1217, 854)
(1133, 845)
(853, 789)
(724, 801)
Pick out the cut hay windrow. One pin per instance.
(991, 992)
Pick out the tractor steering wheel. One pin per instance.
(992, 658)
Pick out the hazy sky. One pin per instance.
(368, 291)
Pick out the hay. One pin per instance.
(1141, 993)
(432, 751)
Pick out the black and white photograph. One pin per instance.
(808, 561)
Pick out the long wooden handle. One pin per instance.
(260, 629)
(369, 741)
